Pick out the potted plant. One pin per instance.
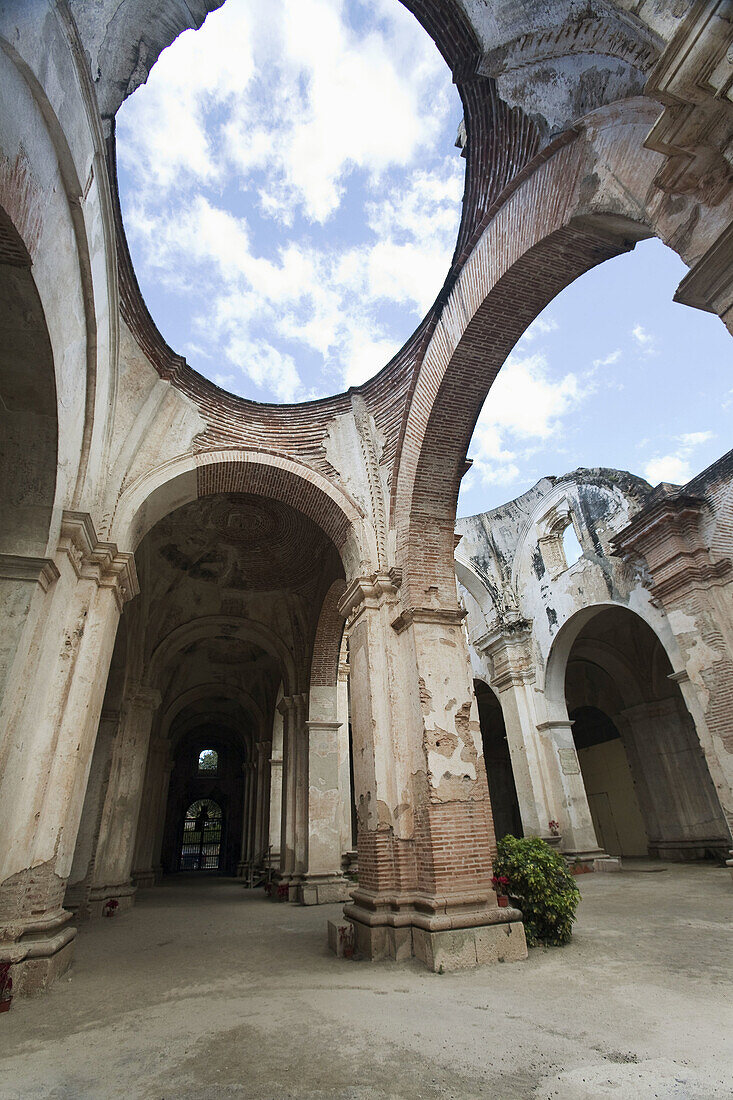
(111, 906)
(6, 987)
(500, 884)
(541, 885)
(555, 836)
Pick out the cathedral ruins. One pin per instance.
(254, 638)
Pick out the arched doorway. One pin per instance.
(502, 788)
(648, 786)
(201, 836)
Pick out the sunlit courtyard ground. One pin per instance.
(205, 989)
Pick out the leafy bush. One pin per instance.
(543, 886)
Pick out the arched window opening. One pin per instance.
(202, 833)
(571, 546)
(208, 762)
(499, 771)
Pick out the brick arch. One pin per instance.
(327, 643)
(592, 199)
(193, 476)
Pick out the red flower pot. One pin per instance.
(503, 901)
(5, 1005)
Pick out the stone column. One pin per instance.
(276, 805)
(80, 879)
(425, 829)
(287, 817)
(348, 839)
(161, 819)
(512, 678)
(323, 881)
(152, 809)
(50, 726)
(694, 585)
(117, 834)
(24, 583)
(248, 770)
(681, 811)
(262, 816)
(565, 780)
(300, 833)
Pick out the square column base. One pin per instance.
(325, 891)
(36, 975)
(122, 893)
(443, 950)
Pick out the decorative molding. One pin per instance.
(98, 561)
(709, 284)
(370, 591)
(15, 567)
(693, 79)
(442, 616)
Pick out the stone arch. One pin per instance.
(189, 477)
(645, 775)
(327, 642)
(231, 627)
(28, 408)
(505, 807)
(214, 691)
(590, 197)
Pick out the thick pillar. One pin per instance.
(262, 807)
(565, 780)
(513, 679)
(152, 812)
(116, 846)
(248, 770)
(49, 729)
(287, 819)
(348, 834)
(300, 817)
(79, 885)
(322, 880)
(693, 583)
(425, 829)
(676, 795)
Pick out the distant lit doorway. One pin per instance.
(202, 832)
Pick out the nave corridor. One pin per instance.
(205, 990)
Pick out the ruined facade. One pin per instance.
(177, 564)
(600, 697)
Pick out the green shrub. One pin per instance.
(543, 886)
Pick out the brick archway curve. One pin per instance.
(191, 476)
(594, 198)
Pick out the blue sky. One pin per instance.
(291, 193)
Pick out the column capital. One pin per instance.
(98, 561)
(439, 616)
(370, 591)
(509, 650)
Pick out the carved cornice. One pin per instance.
(370, 592)
(441, 616)
(101, 562)
(15, 567)
(509, 651)
(709, 284)
(693, 78)
(667, 535)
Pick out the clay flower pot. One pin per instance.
(5, 1005)
(503, 901)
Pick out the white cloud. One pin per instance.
(541, 326)
(608, 360)
(676, 467)
(240, 151)
(525, 407)
(645, 341)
